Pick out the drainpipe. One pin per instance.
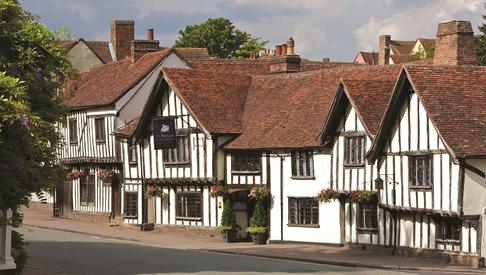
(142, 177)
(282, 159)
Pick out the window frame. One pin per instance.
(185, 216)
(365, 209)
(131, 150)
(100, 132)
(441, 225)
(297, 166)
(73, 135)
(238, 157)
(187, 161)
(352, 154)
(295, 213)
(129, 208)
(427, 160)
(87, 189)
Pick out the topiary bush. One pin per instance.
(228, 218)
(260, 223)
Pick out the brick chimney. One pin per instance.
(286, 62)
(122, 34)
(384, 49)
(455, 44)
(141, 47)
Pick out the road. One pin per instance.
(59, 252)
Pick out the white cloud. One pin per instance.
(416, 21)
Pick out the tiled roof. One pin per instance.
(100, 48)
(370, 58)
(189, 54)
(216, 99)
(105, 84)
(401, 47)
(238, 66)
(454, 98)
(128, 129)
(397, 59)
(288, 111)
(370, 98)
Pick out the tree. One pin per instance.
(221, 38)
(32, 67)
(228, 218)
(481, 43)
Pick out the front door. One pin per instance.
(241, 210)
(64, 200)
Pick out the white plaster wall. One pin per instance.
(475, 189)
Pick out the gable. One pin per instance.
(82, 57)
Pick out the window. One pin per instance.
(246, 162)
(420, 171)
(179, 155)
(448, 229)
(87, 189)
(132, 151)
(130, 205)
(73, 131)
(302, 164)
(303, 211)
(100, 129)
(367, 216)
(354, 150)
(188, 205)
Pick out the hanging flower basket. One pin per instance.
(362, 196)
(259, 193)
(218, 191)
(328, 195)
(73, 175)
(106, 175)
(154, 191)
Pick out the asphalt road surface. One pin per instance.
(59, 252)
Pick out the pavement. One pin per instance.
(341, 256)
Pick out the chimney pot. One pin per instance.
(150, 34)
(278, 50)
(284, 49)
(290, 46)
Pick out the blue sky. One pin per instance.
(321, 28)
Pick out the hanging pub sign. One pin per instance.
(164, 133)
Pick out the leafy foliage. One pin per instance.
(260, 224)
(328, 195)
(31, 68)
(427, 52)
(221, 38)
(228, 218)
(481, 43)
(218, 191)
(259, 193)
(19, 251)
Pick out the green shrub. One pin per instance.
(228, 218)
(19, 251)
(259, 219)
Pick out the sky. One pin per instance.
(320, 28)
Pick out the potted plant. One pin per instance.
(228, 223)
(259, 193)
(258, 230)
(218, 191)
(73, 175)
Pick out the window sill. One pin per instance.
(188, 219)
(361, 165)
(303, 177)
(420, 188)
(130, 217)
(246, 172)
(304, 225)
(448, 241)
(87, 203)
(168, 164)
(367, 230)
(98, 141)
(73, 143)
(132, 163)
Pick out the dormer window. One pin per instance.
(354, 150)
(303, 164)
(246, 162)
(420, 171)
